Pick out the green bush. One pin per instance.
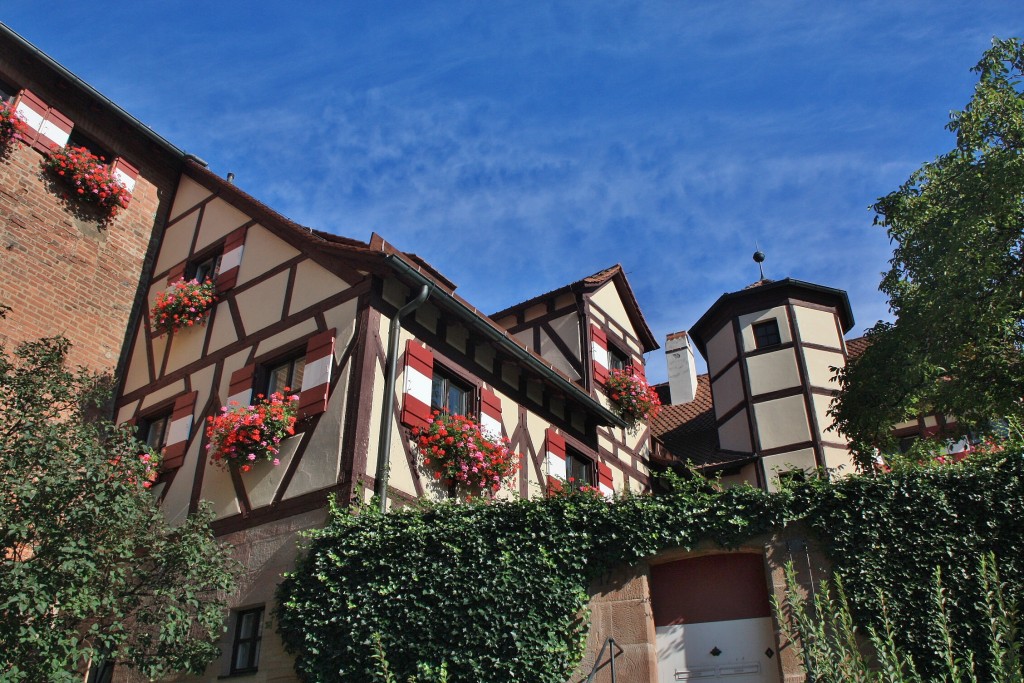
(490, 591)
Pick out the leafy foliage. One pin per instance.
(833, 651)
(186, 304)
(887, 534)
(956, 283)
(493, 591)
(88, 566)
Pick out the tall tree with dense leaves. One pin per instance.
(956, 282)
(89, 568)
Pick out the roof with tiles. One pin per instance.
(687, 430)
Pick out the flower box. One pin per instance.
(240, 436)
(88, 179)
(632, 398)
(186, 304)
(463, 455)
(12, 126)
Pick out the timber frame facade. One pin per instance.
(293, 295)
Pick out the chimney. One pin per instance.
(682, 371)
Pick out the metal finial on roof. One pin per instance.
(759, 259)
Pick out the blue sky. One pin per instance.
(518, 146)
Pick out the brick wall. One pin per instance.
(62, 271)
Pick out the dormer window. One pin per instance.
(766, 334)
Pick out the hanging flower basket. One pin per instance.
(186, 304)
(88, 179)
(12, 127)
(240, 436)
(462, 454)
(632, 398)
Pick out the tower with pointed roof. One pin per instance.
(771, 349)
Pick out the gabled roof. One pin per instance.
(593, 282)
(378, 255)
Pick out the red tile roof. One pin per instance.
(688, 430)
(855, 347)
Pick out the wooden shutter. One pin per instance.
(240, 388)
(316, 377)
(179, 431)
(176, 273)
(604, 479)
(125, 173)
(554, 458)
(490, 412)
(419, 377)
(46, 126)
(231, 260)
(599, 354)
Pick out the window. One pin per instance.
(579, 469)
(617, 360)
(153, 431)
(77, 139)
(206, 269)
(284, 374)
(7, 91)
(767, 334)
(448, 394)
(245, 651)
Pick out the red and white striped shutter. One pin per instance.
(179, 430)
(126, 174)
(604, 479)
(316, 376)
(176, 273)
(49, 126)
(240, 389)
(490, 412)
(231, 260)
(419, 378)
(599, 354)
(554, 457)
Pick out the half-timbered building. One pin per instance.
(324, 315)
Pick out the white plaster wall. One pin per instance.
(734, 435)
(313, 284)
(819, 367)
(781, 422)
(176, 243)
(721, 349)
(727, 391)
(817, 327)
(188, 194)
(171, 390)
(219, 218)
(773, 371)
(261, 305)
(748, 321)
(784, 462)
(607, 297)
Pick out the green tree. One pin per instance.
(956, 282)
(89, 568)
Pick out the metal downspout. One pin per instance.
(386, 418)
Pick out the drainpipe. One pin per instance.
(386, 417)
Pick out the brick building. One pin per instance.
(63, 269)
